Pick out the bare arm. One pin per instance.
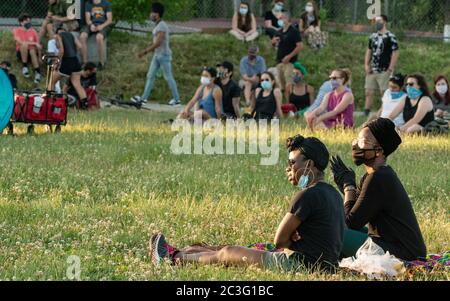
(286, 230)
(60, 46)
(346, 101)
(278, 100)
(397, 110)
(109, 21)
(78, 44)
(158, 43)
(235, 102)
(254, 26)
(323, 105)
(367, 60)
(298, 48)
(218, 102)
(312, 94)
(394, 60)
(194, 100)
(425, 106)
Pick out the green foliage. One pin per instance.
(139, 10)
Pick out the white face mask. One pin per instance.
(442, 89)
(205, 81)
(309, 8)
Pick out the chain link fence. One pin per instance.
(405, 15)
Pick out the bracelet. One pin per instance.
(349, 188)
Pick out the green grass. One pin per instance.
(126, 74)
(102, 187)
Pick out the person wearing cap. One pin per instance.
(391, 98)
(300, 93)
(207, 98)
(6, 66)
(244, 24)
(231, 93)
(162, 58)
(271, 25)
(251, 67)
(380, 200)
(289, 43)
(310, 233)
(28, 47)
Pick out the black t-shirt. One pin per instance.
(229, 91)
(321, 212)
(86, 82)
(270, 16)
(288, 42)
(382, 47)
(385, 205)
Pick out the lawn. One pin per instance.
(103, 186)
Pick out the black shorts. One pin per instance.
(69, 65)
(19, 56)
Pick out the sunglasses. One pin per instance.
(410, 84)
(335, 77)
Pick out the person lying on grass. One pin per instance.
(311, 233)
(380, 200)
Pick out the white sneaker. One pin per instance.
(291, 114)
(174, 102)
(138, 99)
(37, 78)
(26, 72)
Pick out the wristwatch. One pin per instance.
(350, 188)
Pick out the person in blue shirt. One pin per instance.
(251, 67)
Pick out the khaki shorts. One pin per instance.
(377, 81)
(284, 75)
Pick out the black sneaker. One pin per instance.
(160, 249)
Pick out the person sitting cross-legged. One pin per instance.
(311, 233)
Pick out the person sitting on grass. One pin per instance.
(339, 104)
(271, 24)
(208, 97)
(311, 233)
(310, 26)
(391, 99)
(268, 99)
(300, 93)
(441, 97)
(251, 67)
(28, 47)
(417, 107)
(380, 200)
(231, 94)
(244, 24)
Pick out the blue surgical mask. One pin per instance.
(243, 11)
(266, 85)
(397, 95)
(335, 84)
(278, 7)
(280, 23)
(304, 179)
(413, 93)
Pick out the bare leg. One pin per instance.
(248, 92)
(75, 79)
(56, 78)
(24, 53)
(84, 52)
(237, 35)
(34, 58)
(369, 99)
(100, 45)
(228, 255)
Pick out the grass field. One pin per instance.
(102, 187)
(109, 180)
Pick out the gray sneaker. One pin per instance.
(174, 102)
(26, 72)
(138, 99)
(37, 78)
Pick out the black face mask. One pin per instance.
(359, 155)
(27, 25)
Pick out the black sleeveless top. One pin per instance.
(70, 48)
(301, 102)
(265, 106)
(409, 112)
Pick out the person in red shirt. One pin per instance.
(28, 47)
